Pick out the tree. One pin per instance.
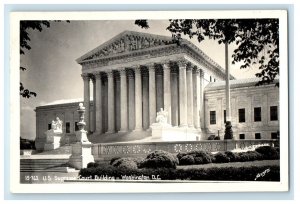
(257, 40)
(25, 26)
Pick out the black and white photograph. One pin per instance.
(150, 100)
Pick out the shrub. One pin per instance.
(187, 160)
(127, 163)
(243, 156)
(211, 137)
(217, 138)
(234, 157)
(268, 152)
(114, 159)
(180, 155)
(221, 158)
(202, 157)
(253, 155)
(91, 165)
(160, 159)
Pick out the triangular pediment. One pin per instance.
(126, 41)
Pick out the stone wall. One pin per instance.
(242, 97)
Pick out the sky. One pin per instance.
(54, 75)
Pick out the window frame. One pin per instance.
(272, 115)
(212, 120)
(257, 134)
(256, 117)
(240, 109)
(68, 127)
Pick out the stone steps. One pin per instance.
(67, 149)
(45, 165)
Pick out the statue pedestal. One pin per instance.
(165, 132)
(81, 151)
(53, 139)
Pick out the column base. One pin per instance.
(183, 126)
(137, 130)
(110, 132)
(123, 131)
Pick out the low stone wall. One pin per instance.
(106, 151)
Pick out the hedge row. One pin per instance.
(202, 157)
(214, 173)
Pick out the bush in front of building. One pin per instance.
(125, 163)
(200, 157)
(114, 159)
(221, 157)
(160, 159)
(268, 152)
(187, 160)
(233, 156)
(92, 165)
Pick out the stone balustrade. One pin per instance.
(106, 151)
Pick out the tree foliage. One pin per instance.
(257, 40)
(25, 26)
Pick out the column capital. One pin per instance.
(196, 70)
(165, 63)
(110, 74)
(151, 67)
(166, 66)
(182, 63)
(137, 69)
(97, 75)
(85, 77)
(130, 73)
(122, 72)
(189, 68)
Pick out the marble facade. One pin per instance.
(129, 78)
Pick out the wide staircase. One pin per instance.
(47, 161)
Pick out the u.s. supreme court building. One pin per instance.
(135, 75)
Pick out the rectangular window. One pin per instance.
(242, 136)
(257, 114)
(210, 78)
(257, 136)
(274, 135)
(68, 127)
(76, 126)
(242, 118)
(212, 117)
(49, 126)
(224, 116)
(273, 113)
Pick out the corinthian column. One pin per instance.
(189, 80)
(98, 106)
(86, 84)
(152, 94)
(93, 122)
(123, 101)
(111, 102)
(202, 111)
(182, 93)
(138, 100)
(131, 99)
(167, 90)
(196, 101)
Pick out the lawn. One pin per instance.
(232, 164)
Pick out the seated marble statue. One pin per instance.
(161, 117)
(56, 125)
